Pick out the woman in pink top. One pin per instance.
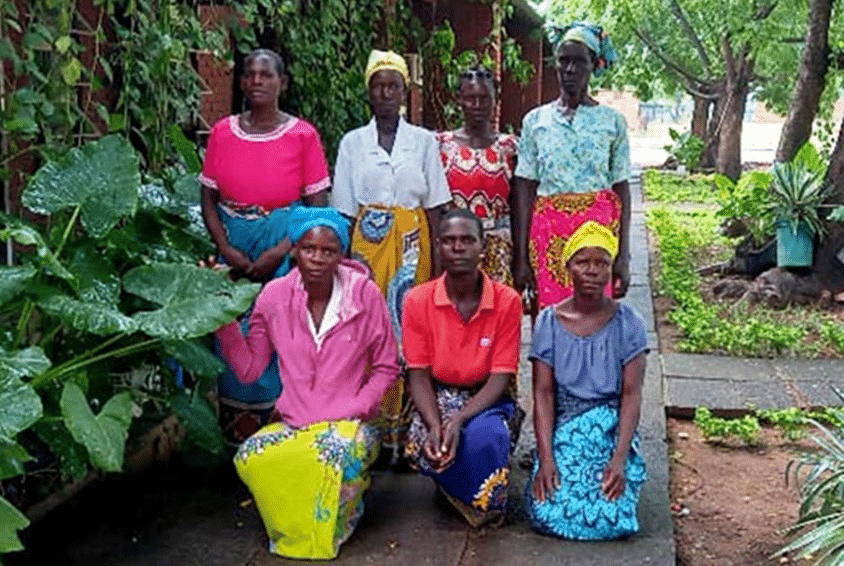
(328, 324)
(256, 165)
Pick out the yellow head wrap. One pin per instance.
(386, 61)
(590, 234)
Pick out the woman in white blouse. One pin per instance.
(389, 178)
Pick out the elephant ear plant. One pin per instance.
(104, 290)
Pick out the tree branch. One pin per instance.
(686, 74)
(729, 57)
(677, 10)
(762, 12)
(700, 93)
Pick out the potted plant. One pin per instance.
(744, 208)
(798, 191)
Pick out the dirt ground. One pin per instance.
(737, 498)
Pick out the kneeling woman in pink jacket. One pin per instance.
(337, 356)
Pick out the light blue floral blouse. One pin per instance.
(589, 153)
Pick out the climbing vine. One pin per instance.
(442, 66)
(81, 70)
(325, 45)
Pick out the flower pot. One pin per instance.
(761, 259)
(794, 250)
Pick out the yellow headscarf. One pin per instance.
(386, 61)
(590, 234)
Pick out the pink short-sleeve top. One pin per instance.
(271, 170)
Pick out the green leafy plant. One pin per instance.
(138, 78)
(747, 202)
(669, 187)
(745, 428)
(106, 289)
(685, 148)
(799, 190)
(820, 526)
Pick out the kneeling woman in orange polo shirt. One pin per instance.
(461, 337)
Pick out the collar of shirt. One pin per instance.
(403, 142)
(487, 295)
(331, 316)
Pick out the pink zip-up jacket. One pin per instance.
(347, 377)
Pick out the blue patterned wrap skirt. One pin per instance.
(476, 481)
(582, 448)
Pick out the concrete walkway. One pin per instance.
(187, 518)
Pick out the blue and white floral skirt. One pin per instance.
(582, 447)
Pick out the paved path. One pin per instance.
(174, 517)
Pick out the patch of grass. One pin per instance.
(669, 187)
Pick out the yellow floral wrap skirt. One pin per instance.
(308, 483)
(396, 245)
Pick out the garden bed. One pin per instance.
(685, 237)
(741, 521)
(738, 522)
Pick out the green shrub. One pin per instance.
(669, 187)
(685, 148)
(745, 428)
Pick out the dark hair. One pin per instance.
(465, 214)
(276, 59)
(479, 73)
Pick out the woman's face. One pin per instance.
(460, 246)
(476, 100)
(261, 82)
(386, 93)
(574, 67)
(590, 269)
(318, 253)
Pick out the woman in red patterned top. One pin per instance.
(479, 164)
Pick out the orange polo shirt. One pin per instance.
(462, 354)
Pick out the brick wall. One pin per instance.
(217, 76)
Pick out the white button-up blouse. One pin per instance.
(411, 176)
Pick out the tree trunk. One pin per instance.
(728, 161)
(700, 116)
(810, 82)
(835, 172)
(739, 70)
(710, 145)
(829, 269)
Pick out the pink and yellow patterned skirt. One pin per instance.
(555, 218)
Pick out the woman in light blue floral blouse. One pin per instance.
(574, 165)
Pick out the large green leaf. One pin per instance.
(20, 406)
(21, 363)
(96, 318)
(104, 435)
(13, 280)
(12, 458)
(195, 357)
(11, 521)
(25, 234)
(102, 178)
(96, 279)
(186, 148)
(202, 427)
(72, 455)
(194, 301)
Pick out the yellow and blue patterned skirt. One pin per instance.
(308, 483)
